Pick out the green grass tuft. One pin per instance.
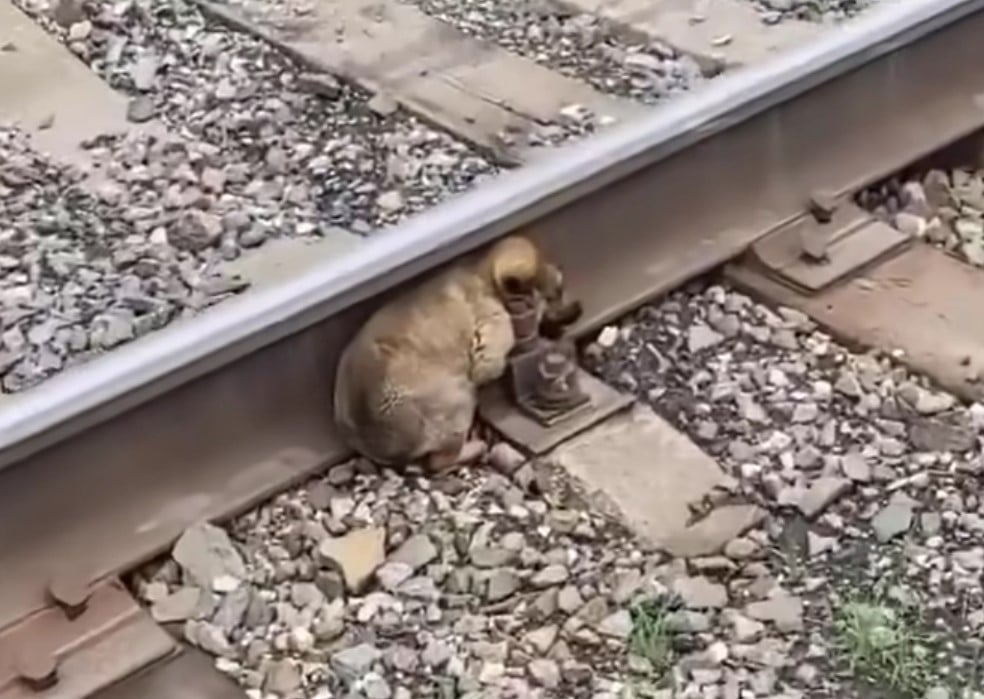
(651, 636)
(883, 647)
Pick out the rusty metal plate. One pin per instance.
(851, 240)
(496, 408)
(189, 675)
(544, 382)
(55, 656)
(938, 299)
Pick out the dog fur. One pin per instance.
(407, 384)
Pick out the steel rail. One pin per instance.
(135, 373)
(105, 464)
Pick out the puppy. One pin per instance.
(407, 384)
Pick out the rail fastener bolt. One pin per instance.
(38, 670)
(556, 385)
(823, 204)
(553, 366)
(69, 592)
(522, 312)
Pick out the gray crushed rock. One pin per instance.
(942, 207)
(868, 473)
(93, 260)
(575, 44)
(334, 155)
(776, 11)
(490, 596)
(570, 123)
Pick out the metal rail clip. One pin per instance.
(543, 374)
(834, 240)
(545, 397)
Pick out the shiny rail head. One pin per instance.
(107, 386)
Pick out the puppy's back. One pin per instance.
(404, 374)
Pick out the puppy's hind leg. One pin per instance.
(447, 456)
(451, 428)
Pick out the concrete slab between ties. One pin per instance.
(651, 473)
(42, 81)
(923, 302)
(699, 27)
(460, 83)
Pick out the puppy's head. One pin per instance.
(519, 269)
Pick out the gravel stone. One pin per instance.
(376, 687)
(416, 552)
(577, 45)
(892, 520)
(491, 556)
(569, 599)
(177, 606)
(205, 553)
(618, 625)
(745, 630)
(502, 583)
(305, 594)
(741, 549)
(545, 673)
(856, 467)
(550, 576)
(542, 639)
(506, 458)
(700, 593)
(282, 677)
(209, 638)
(357, 554)
(821, 494)
(785, 611)
(943, 208)
(140, 110)
(232, 610)
(818, 545)
(356, 661)
(701, 337)
(942, 435)
(331, 583)
(394, 573)
(330, 622)
(777, 11)
(436, 654)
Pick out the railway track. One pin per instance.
(104, 467)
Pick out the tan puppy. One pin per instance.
(406, 386)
